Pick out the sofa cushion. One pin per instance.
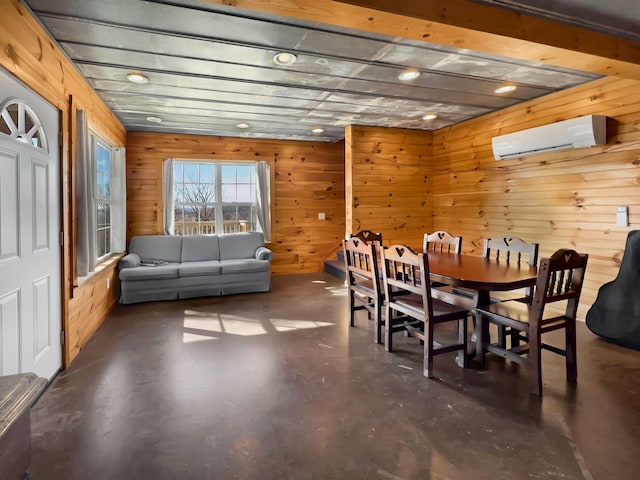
(157, 247)
(130, 260)
(239, 245)
(243, 265)
(197, 248)
(142, 273)
(263, 253)
(195, 269)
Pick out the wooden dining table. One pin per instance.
(481, 275)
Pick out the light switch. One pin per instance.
(321, 216)
(622, 216)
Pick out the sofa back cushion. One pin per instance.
(157, 247)
(198, 248)
(240, 245)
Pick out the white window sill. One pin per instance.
(104, 263)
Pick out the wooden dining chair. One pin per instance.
(510, 250)
(369, 236)
(560, 279)
(410, 307)
(441, 241)
(444, 242)
(515, 251)
(364, 282)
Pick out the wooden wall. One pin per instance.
(308, 178)
(388, 183)
(562, 199)
(27, 52)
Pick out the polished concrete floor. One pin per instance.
(277, 386)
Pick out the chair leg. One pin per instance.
(377, 322)
(428, 350)
(462, 340)
(515, 338)
(502, 336)
(571, 354)
(352, 307)
(388, 346)
(482, 337)
(534, 362)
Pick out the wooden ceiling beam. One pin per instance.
(465, 24)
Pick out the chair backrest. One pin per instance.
(441, 241)
(510, 249)
(404, 271)
(560, 278)
(368, 236)
(361, 263)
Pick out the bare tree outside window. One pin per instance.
(214, 197)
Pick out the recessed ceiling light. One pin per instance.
(408, 75)
(154, 119)
(242, 125)
(284, 58)
(505, 88)
(430, 116)
(137, 77)
(318, 130)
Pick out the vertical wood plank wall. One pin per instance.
(388, 184)
(27, 52)
(561, 200)
(308, 179)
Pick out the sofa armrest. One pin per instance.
(130, 260)
(263, 253)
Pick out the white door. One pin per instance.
(30, 271)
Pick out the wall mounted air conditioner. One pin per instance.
(578, 132)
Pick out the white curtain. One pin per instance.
(119, 201)
(167, 196)
(264, 199)
(86, 207)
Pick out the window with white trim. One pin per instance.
(214, 197)
(103, 154)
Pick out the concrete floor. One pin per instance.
(277, 386)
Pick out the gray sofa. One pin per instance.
(168, 267)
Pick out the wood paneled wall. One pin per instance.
(27, 52)
(308, 179)
(90, 305)
(561, 200)
(388, 183)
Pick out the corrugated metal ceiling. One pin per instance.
(211, 67)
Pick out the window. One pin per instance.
(101, 196)
(103, 192)
(214, 197)
(20, 122)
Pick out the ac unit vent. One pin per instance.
(578, 132)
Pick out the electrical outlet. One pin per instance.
(622, 216)
(321, 216)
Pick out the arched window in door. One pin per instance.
(20, 122)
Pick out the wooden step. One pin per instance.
(335, 268)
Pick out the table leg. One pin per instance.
(481, 297)
(481, 329)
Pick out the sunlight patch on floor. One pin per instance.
(188, 337)
(338, 291)
(200, 325)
